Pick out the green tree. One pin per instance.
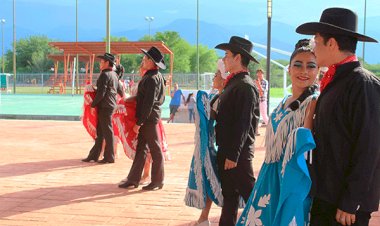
(207, 59)
(131, 62)
(185, 54)
(374, 68)
(5, 64)
(276, 72)
(116, 39)
(31, 55)
(180, 48)
(182, 52)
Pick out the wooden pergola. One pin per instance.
(87, 52)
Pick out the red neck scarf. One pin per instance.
(230, 76)
(142, 72)
(329, 75)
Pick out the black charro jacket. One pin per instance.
(346, 161)
(238, 115)
(150, 96)
(108, 87)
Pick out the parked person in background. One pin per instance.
(190, 102)
(262, 85)
(175, 102)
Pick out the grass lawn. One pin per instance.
(277, 92)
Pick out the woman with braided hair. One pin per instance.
(280, 195)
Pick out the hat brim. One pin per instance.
(105, 58)
(235, 48)
(160, 64)
(312, 28)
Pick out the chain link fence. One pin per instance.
(47, 83)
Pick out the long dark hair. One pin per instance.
(119, 71)
(188, 97)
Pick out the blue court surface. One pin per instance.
(57, 106)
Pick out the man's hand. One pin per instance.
(136, 128)
(228, 164)
(344, 218)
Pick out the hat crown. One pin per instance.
(242, 43)
(155, 54)
(340, 17)
(108, 57)
(337, 21)
(238, 45)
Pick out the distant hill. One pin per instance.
(283, 35)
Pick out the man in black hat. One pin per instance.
(150, 96)
(107, 87)
(237, 118)
(346, 161)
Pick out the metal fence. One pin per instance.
(48, 83)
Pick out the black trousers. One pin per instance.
(104, 130)
(235, 182)
(323, 214)
(148, 137)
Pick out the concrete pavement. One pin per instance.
(43, 181)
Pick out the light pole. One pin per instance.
(197, 44)
(269, 14)
(2, 42)
(14, 47)
(108, 33)
(365, 18)
(149, 19)
(76, 41)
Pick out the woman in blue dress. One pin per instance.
(204, 185)
(280, 196)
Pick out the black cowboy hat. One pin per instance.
(108, 57)
(154, 54)
(238, 45)
(339, 21)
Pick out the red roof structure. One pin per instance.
(87, 52)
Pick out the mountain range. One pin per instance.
(283, 35)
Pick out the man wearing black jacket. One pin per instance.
(236, 121)
(150, 96)
(346, 161)
(107, 87)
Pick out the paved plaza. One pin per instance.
(45, 183)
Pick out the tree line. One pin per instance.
(32, 57)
